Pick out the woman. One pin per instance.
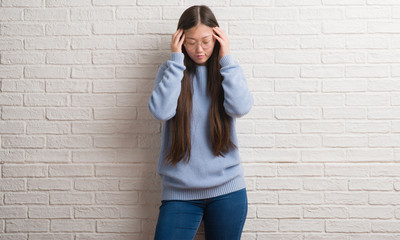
(198, 93)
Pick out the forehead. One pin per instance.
(198, 32)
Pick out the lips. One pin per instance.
(200, 56)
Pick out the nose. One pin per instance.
(199, 48)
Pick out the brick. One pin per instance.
(360, 99)
(304, 198)
(12, 185)
(68, 3)
(135, 72)
(10, 44)
(273, 13)
(321, 13)
(117, 198)
(274, 127)
(69, 198)
(348, 226)
(56, 57)
(49, 184)
(46, 72)
(27, 225)
(301, 225)
(62, 142)
(261, 225)
(10, 72)
(116, 142)
(369, 155)
(68, 114)
(284, 155)
(119, 226)
(384, 141)
(93, 156)
(46, 14)
(13, 212)
(11, 14)
(135, 13)
(43, 100)
(47, 156)
(320, 184)
(24, 171)
(373, 42)
(344, 113)
(11, 127)
(96, 185)
(96, 212)
(11, 100)
(51, 236)
(343, 57)
(99, 128)
(49, 212)
(346, 198)
(273, 42)
(114, 3)
(47, 128)
(114, 58)
(275, 71)
(43, 43)
(14, 29)
(137, 42)
(71, 171)
(345, 141)
(371, 184)
(297, 28)
(246, 28)
(370, 71)
(296, 85)
(298, 141)
(259, 170)
(384, 170)
(368, 127)
(71, 29)
(98, 100)
(322, 72)
(371, 212)
(22, 58)
(92, 72)
(290, 3)
(323, 42)
(23, 142)
(382, 2)
(91, 14)
(325, 212)
(72, 225)
(344, 27)
(297, 57)
(22, 3)
(94, 43)
(326, 99)
(106, 28)
(343, 2)
(367, 12)
(300, 170)
(323, 155)
(347, 170)
(297, 113)
(124, 170)
(121, 113)
(382, 198)
(67, 86)
(278, 212)
(26, 198)
(11, 156)
(383, 27)
(278, 184)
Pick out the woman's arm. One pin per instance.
(238, 99)
(167, 88)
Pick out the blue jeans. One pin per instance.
(223, 217)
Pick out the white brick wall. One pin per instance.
(78, 147)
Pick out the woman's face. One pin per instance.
(199, 43)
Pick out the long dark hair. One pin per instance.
(220, 122)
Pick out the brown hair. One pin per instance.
(220, 122)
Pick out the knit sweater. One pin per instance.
(204, 175)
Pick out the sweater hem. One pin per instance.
(195, 194)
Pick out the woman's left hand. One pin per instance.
(223, 41)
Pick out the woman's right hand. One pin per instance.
(177, 41)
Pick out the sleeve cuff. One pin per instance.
(227, 60)
(177, 57)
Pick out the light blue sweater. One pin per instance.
(205, 175)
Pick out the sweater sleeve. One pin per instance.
(167, 88)
(238, 99)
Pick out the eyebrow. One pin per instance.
(202, 37)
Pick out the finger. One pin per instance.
(218, 38)
(220, 32)
(182, 39)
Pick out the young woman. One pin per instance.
(198, 93)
